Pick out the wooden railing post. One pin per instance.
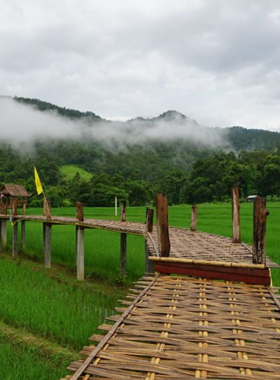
(123, 211)
(162, 224)
(47, 208)
(80, 246)
(150, 220)
(260, 216)
(194, 218)
(236, 234)
(14, 202)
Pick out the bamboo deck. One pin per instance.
(186, 328)
(192, 247)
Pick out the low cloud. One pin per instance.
(21, 123)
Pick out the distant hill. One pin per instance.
(238, 138)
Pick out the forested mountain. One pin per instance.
(170, 153)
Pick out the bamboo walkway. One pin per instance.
(186, 328)
(194, 247)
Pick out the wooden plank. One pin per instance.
(236, 234)
(193, 218)
(232, 274)
(260, 216)
(162, 224)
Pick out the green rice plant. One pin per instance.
(17, 364)
(66, 312)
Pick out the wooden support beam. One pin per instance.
(150, 220)
(80, 254)
(15, 240)
(236, 233)
(123, 211)
(23, 236)
(123, 244)
(47, 234)
(162, 224)
(260, 216)
(194, 218)
(4, 235)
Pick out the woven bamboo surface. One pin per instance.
(201, 246)
(185, 328)
(185, 244)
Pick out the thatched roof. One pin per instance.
(14, 190)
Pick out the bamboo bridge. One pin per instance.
(205, 309)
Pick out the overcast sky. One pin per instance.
(216, 61)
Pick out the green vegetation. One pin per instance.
(70, 171)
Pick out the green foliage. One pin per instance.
(70, 171)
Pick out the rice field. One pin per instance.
(58, 313)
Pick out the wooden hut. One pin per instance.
(13, 196)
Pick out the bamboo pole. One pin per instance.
(206, 262)
(150, 219)
(194, 218)
(260, 216)
(236, 233)
(162, 224)
(123, 249)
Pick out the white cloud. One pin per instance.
(216, 61)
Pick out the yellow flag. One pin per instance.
(38, 184)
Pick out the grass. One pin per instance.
(53, 309)
(69, 172)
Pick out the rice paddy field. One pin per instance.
(46, 316)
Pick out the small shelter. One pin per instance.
(13, 196)
(251, 198)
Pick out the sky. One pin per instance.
(216, 61)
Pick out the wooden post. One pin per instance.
(236, 234)
(260, 216)
(15, 240)
(47, 208)
(150, 220)
(149, 265)
(194, 218)
(123, 211)
(79, 212)
(14, 202)
(80, 245)
(24, 207)
(162, 224)
(4, 232)
(80, 254)
(23, 237)
(47, 234)
(123, 252)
